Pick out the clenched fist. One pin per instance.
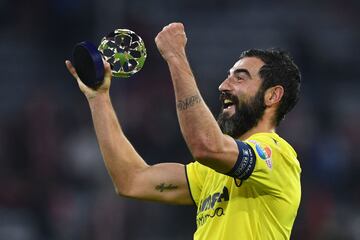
(171, 41)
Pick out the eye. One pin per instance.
(239, 77)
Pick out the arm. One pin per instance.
(201, 132)
(130, 174)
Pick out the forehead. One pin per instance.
(251, 64)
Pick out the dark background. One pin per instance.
(53, 184)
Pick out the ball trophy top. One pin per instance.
(123, 49)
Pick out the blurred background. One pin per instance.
(53, 183)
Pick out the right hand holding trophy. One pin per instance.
(123, 49)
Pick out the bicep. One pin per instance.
(234, 158)
(221, 157)
(164, 182)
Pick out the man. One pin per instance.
(245, 179)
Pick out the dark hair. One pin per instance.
(279, 69)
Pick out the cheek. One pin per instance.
(252, 92)
(246, 89)
(244, 97)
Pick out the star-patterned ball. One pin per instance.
(125, 51)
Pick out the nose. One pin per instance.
(225, 85)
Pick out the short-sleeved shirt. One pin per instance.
(263, 206)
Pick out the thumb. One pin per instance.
(85, 89)
(107, 76)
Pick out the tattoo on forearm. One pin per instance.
(164, 187)
(188, 102)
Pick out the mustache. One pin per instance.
(227, 95)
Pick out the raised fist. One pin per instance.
(171, 41)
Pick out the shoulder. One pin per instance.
(266, 143)
(197, 170)
(270, 146)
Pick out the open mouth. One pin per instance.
(227, 103)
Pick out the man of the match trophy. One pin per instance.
(123, 49)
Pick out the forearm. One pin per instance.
(121, 159)
(198, 126)
(131, 176)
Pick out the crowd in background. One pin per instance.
(53, 182)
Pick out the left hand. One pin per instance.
(171, 41)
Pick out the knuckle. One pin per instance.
(179, 25)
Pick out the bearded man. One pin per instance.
(245, 179)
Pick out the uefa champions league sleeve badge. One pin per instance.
(123, 49)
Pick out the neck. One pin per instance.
(261, 127)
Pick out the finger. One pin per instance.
(166, 27)
(180, 25)
(176, 25)
(71, 69)
(82, 85)
(107, 69)
(73, 72)
(107, 76)
(157, 39)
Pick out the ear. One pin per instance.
(273, 95)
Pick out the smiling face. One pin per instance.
(242, 97)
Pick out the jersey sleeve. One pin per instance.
(195, 174)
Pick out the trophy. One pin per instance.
(123, 49)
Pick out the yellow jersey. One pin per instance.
(263, 206)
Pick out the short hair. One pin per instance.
(278, 69)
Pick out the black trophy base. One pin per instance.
(89, 64)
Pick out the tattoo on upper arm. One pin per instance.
(188, 102)
(165, 187)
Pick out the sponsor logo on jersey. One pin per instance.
(211, 206)
(264, 152)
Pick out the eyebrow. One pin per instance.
(241, 70)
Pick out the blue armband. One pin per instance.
(245, 163)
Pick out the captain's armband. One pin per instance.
(245, 162)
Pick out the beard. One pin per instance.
(247, 114)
